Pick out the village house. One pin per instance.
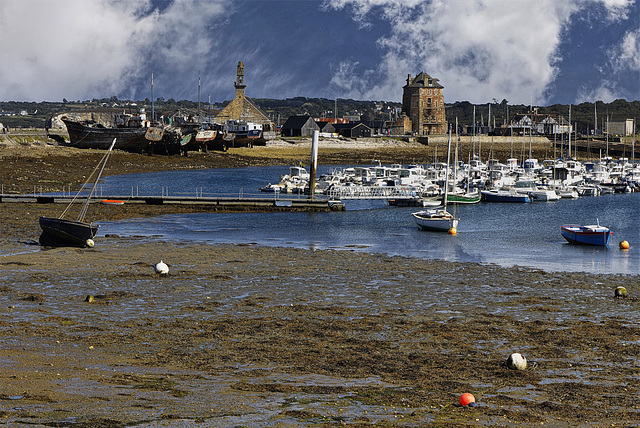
(299, 126)
(353, 130)
(326, 127)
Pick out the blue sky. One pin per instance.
(540, 51)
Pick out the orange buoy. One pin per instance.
(466, 399)
(452, 231)
(623, 245)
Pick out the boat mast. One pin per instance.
(153, 117)
(446, 177)
(633, 144)
(531, 127)
(511, 128)
(569, 146)
(455, 168)
(95, 184)
(607, 130)
(473, 132)
(595, 120)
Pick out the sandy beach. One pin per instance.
(242, 335)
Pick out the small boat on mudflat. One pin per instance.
(62, 232)
(587, 235)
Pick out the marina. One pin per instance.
(491, 233)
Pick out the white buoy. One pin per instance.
(161, 268)
(516, 362)
(89, 243)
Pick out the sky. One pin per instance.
(524, 51)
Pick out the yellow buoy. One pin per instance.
(624, 245)
(620, 292)
(452, 231)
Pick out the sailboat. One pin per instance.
(438, 218)
(61, 232)
(457, 195)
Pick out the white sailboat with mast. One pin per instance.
(438, 218)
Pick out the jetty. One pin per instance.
(223, 203)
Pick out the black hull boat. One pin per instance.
(129, 139)
(61, 232)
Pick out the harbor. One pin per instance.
(304, 214)
(312, 281)
(527, 234)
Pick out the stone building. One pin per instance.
(423, 104)
(241, 107)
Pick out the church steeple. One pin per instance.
(240, 86)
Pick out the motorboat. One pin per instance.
(568, 193)
(535, 193)
(587, 235)
(504, 195)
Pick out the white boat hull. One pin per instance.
(437, 220)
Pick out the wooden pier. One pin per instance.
(222, 203)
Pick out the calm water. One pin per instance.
(503, 234)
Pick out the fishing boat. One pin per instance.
(131, 136)
(587, 235)
(240, 133)
(503, 195)
(61, 232)
(438, 218)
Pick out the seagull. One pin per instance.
(161, 268)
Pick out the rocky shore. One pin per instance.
(240, 335)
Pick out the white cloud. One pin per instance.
(623, 65)
(627, 56)
(617, 10)
(77, 48)
(606, 92)
(480, 49)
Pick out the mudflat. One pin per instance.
(242, 335)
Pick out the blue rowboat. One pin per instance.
(587, 235)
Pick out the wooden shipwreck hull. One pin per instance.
(135, 140)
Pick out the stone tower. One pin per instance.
(423, 103)
(239, 85)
